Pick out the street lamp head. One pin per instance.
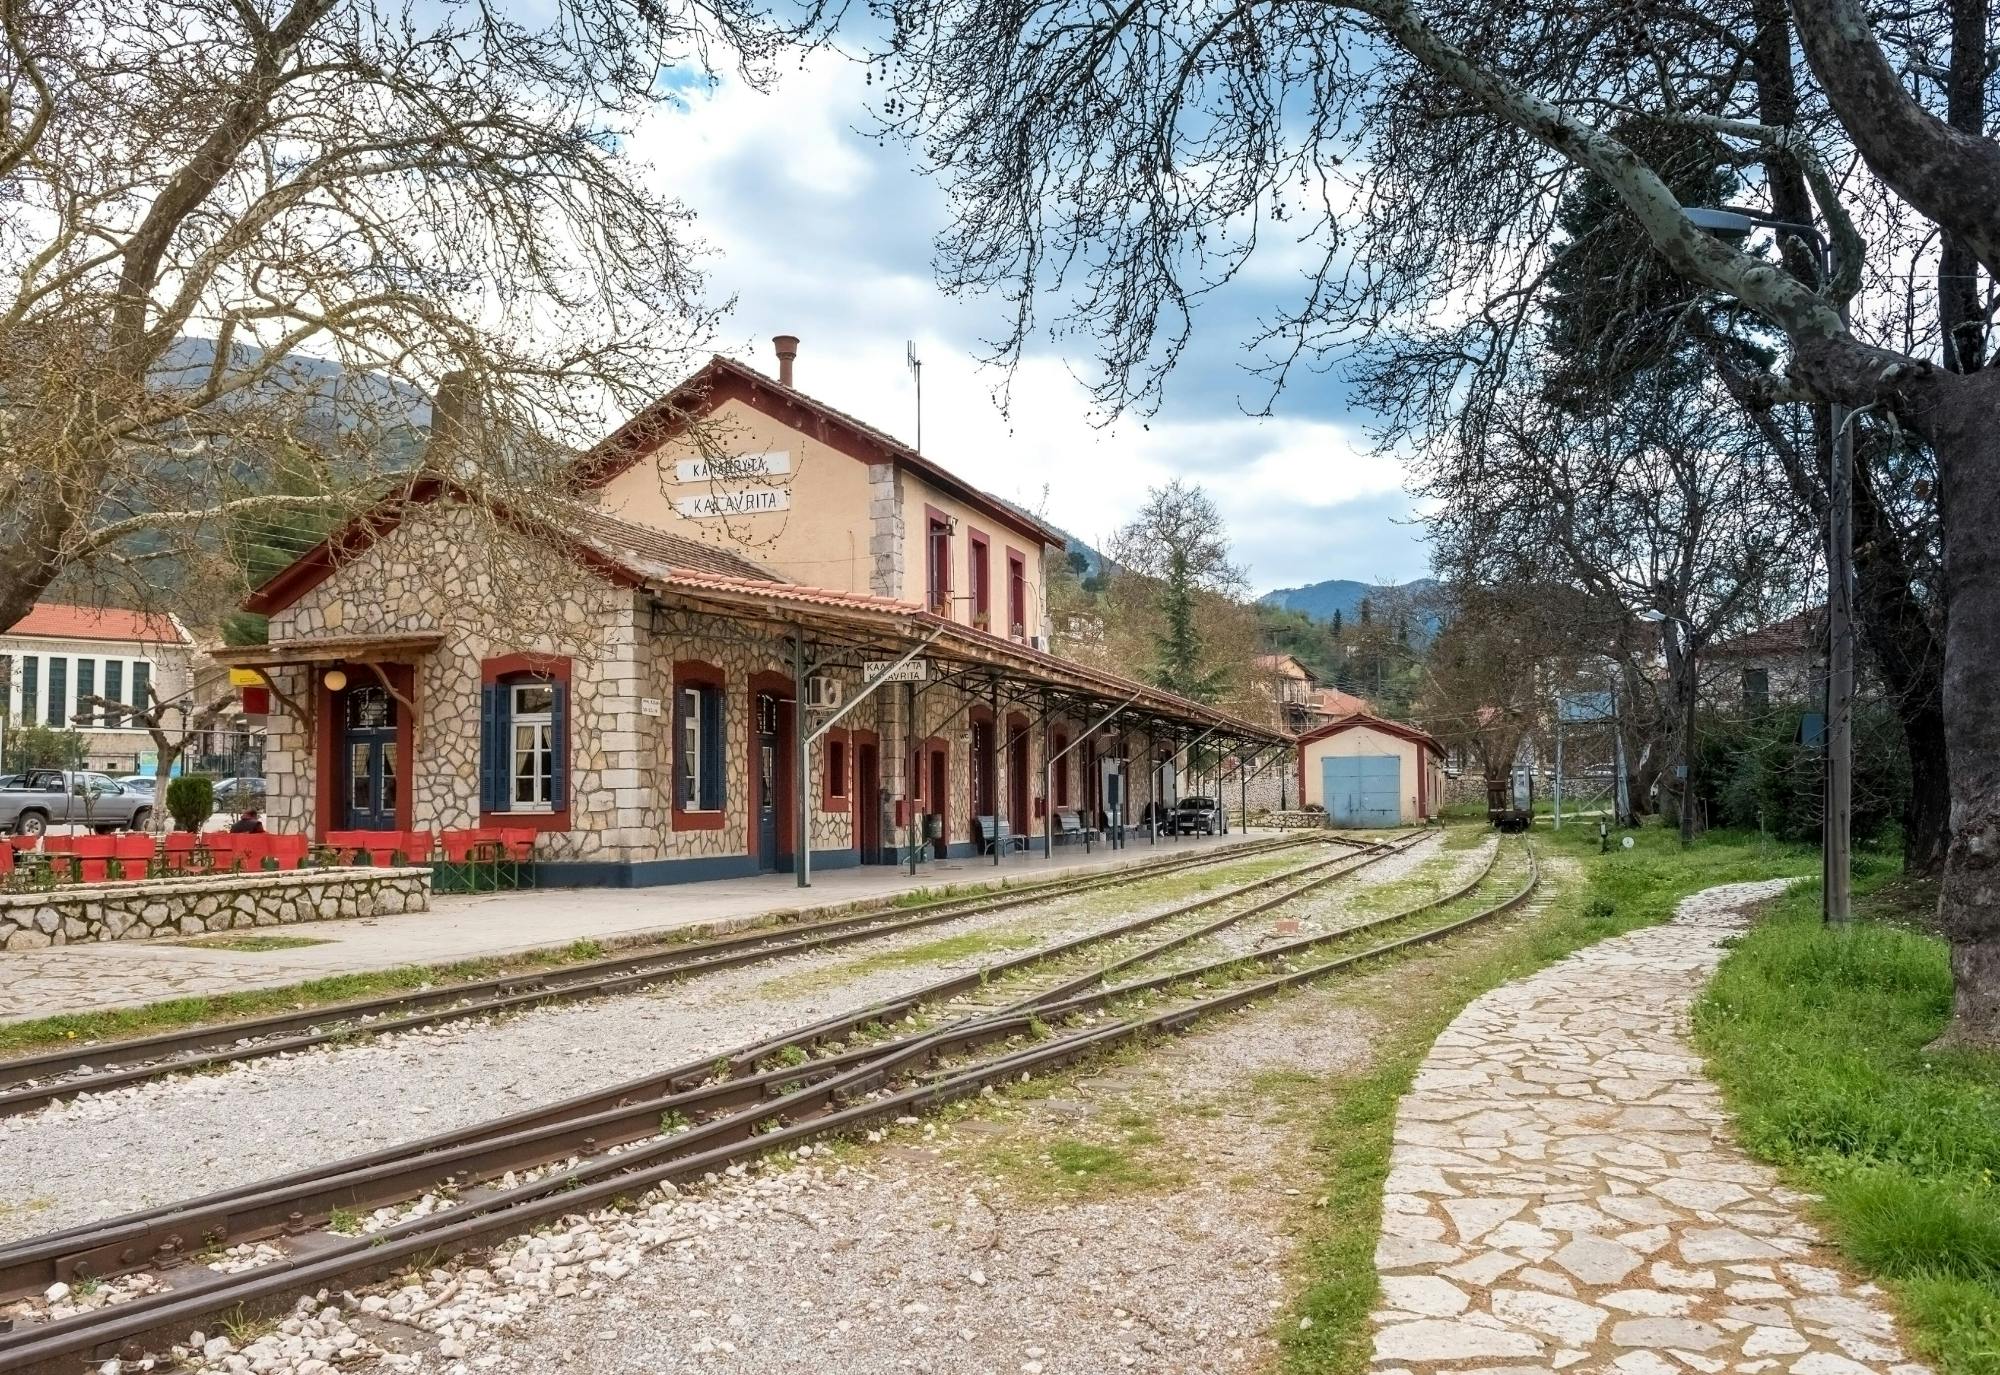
(1650, 616)
(1719, 221)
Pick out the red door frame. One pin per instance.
(778, 685)
(866, 803)
(332, 724)
(1018, 791)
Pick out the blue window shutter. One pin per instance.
(711, 749)
(493, 761)
(559, 755)
(677, 750)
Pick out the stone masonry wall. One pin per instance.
(439, 570)
(192, 906)
(885, 531)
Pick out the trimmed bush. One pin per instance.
(191, 800)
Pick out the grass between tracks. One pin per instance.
(1595, 896)
(176, 1014)
(1818, 1039)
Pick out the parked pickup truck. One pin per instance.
(32, 802)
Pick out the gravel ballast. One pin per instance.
(170, 1139)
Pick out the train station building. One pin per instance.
(765, 636)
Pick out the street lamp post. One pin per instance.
(1837, 826)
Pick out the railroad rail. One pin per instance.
(780, 1098)
(30, 1082)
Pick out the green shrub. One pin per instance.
(1755, 770)
(31, 745)
(191, 800)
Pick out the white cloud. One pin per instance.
(822, 233)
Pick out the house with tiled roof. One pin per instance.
(758, 633)
(59, 657)
(1778, 665)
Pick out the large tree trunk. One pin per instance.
(1897, 628)
(1927, 810)
(1961, 429)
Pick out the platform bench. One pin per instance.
(993, 831)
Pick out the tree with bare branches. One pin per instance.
(1124, 162)
(246, 232)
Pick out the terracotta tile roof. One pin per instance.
(1275, 663)
(1334, 702)
(56, 621)
(779, 590)
(1798, 634)
(949, 632)
(619, 539)
(1374, 722)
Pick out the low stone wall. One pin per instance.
(193, 906)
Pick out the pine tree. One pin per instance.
(1179, 643)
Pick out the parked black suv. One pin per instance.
(1198, 815)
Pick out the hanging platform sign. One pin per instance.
(915, 671)
(722, 469)
(754, 502)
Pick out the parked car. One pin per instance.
(234, 795)
(42, 798)
(1199, 815)
(142, 782)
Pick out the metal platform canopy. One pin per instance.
(885, 640)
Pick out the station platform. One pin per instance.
(104, 975)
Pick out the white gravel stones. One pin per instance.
(1563, 1168)
(137, 1147)
(909, 1257)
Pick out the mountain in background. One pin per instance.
(1321, 599)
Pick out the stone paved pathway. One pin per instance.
(1565, 1193)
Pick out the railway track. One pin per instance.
(31, 1082)
(1027, 1015)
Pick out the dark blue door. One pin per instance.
(370, 759)
(766, 788)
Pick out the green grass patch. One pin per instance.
(1818, 1040)
(1598, 896)
(251, 945)
(940, 951)
(177, 1014)
(1067, 1168)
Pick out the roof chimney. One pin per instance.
(788, 349)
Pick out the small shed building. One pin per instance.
(1367, 771)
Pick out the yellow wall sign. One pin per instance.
(245, 677)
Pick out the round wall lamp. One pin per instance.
(335, 680)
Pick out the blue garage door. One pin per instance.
(1363, 790)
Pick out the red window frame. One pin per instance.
(508, 668)
(980, 564)
(937, 555)
(689, 673)
(839, 760)
(1017, 593)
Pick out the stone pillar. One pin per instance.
(885, 532)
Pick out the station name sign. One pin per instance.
(723, 468)
(915, 671)
(756, 501)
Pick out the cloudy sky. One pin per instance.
(824, 234)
